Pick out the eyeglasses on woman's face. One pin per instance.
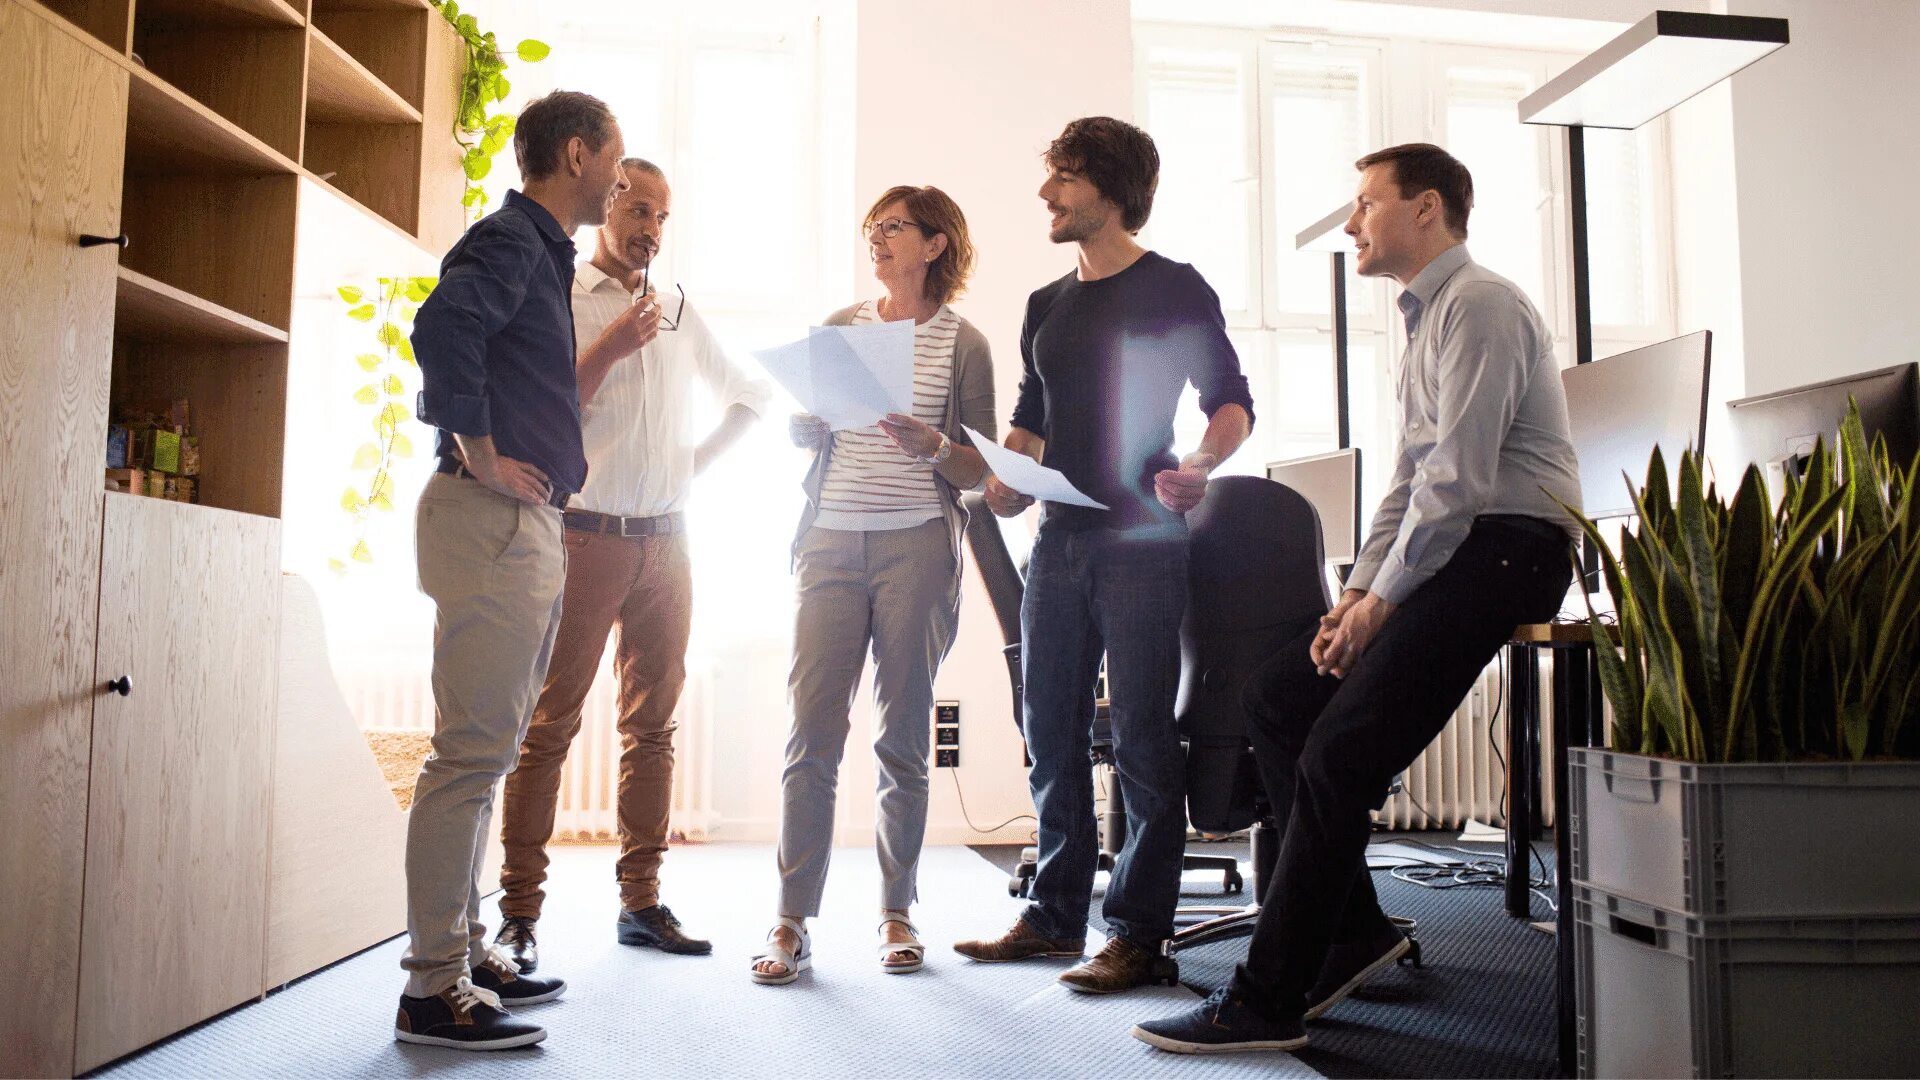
(892, 227)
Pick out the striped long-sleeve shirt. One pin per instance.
(871, 484)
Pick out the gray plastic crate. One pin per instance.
(1661, 995)
(1824, 840)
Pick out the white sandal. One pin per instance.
(795, 963)
(911, 945)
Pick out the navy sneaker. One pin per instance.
(1348, 966)
(501, 977)
(1219, 1025)
(463, 1017)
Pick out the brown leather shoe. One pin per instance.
(1022, 942)
(1122, 965)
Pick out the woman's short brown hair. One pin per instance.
(947, 274)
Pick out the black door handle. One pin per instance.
(88, 240)
(122, 686)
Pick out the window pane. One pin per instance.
(1319, 110)
(1204, 208)
(748, 116)
(1621, 246)
(1505, 158)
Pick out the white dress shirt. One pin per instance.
(1483, 424)
(639, 454)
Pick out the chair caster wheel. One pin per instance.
(1233, 883)
(1166, 972)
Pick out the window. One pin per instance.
(1258, 133)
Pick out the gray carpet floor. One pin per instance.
(637, 1012)
(1483, 1004)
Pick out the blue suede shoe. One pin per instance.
(1219, 1025)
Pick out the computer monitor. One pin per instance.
(1621, 407)
(1772, 430)
(1331, 484)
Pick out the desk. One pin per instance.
(1577, 721)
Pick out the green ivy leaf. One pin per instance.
(404, 351)
(477, 166)
(494, 141)
(337, 566)
(363, 313)
(532, 51)
(350, 294)
(351, 501)
(469, 197)
(503, 88)
(366, 395)
(402, 446)
(393, 386)
(419, 288)
(390, 335)
(467, 25)
(362, 553)
(451, 9)
(395, 414)
(366, 457)
(367, 361)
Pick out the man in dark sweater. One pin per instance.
(496, 350)
(1107, 351)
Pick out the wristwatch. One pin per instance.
(943, 453)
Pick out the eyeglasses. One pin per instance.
(891, 227)
(646, 286)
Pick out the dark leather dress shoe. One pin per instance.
(515, 939)
(1122, 965)
(656, 927)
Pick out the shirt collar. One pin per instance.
(543, 218)
(1420, 291)
(588, 277)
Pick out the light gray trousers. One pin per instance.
(495, 569)
(898, 593)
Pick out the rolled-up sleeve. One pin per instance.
(1487, 342)
(1216, 370)
(480, 289)
(730, 383)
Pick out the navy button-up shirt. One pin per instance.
(496, 347)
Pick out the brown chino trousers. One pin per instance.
(642, 587)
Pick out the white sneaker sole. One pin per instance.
(536, 999)
(1387, 960)
(1181, 1046)
(509, 1043)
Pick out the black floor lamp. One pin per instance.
(1659, 62)
(1329, 235)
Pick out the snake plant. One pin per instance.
(1755, 631)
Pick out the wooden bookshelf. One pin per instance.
(169, 131)
(340, 89)
(145, 309)
(223, 12)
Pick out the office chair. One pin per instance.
(1005, 584)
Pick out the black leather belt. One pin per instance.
(557, 500)
(658, 525)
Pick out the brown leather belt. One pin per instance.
(658, 525)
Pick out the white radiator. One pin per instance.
(587, 812)
(1462, 775)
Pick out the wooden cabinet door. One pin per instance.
(175, 908)
(61, 133)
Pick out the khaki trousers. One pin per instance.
(494, 568)
(897, 592)
(641, 588)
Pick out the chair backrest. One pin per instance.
(1256, 567)
(1004, 582)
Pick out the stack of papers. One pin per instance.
(849, 376)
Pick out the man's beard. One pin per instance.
(1076, 227)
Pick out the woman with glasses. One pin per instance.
(877, 561)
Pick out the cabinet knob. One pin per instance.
(88, 240)
(122, 686)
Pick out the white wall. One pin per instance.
(1826, 146)
(966, 97)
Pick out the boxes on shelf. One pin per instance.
(155, 454)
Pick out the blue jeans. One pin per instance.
(1122, 593)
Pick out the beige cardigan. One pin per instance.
(969, 402)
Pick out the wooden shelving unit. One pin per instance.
(340, 90)
(167, 130)
(149, 310)
(233, 12)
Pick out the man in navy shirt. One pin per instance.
(496, 351)
(1108, 350)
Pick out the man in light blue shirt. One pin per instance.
(1468, 543)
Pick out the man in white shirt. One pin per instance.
(627, 563)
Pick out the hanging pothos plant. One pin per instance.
(483, 86)
(480, 136)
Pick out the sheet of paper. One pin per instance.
(1027, 476)
(849, 376)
